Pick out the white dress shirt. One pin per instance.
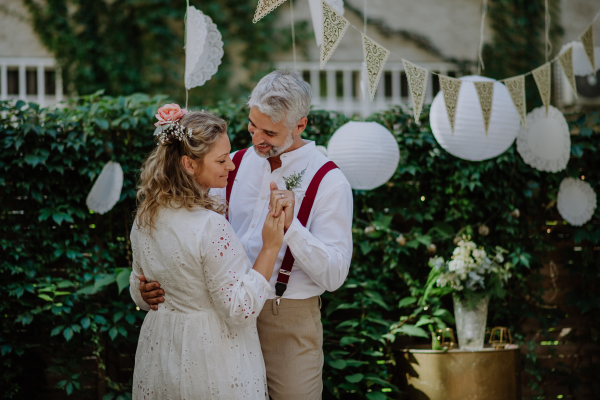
(323, 249)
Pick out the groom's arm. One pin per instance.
(324, 252)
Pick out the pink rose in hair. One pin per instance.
(169, 113)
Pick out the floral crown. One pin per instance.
(168, 127)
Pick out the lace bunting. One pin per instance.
(417, 82)
(316, 13)
(587, 39)
(334, 26)
(203, 48)
(516, 88)
(375, 57)
(485, 92)
(450, 87)
(566, 62)
(543, 76)
(264, 7)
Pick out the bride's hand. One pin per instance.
(272, 233)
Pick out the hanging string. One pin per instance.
(548, 47)
(187, 2)
(364, 19)
(481, 65)
(293, 34)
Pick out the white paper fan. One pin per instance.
(546, 142)
(203, 48)
(316, 13)
(576, 201)
(107, 189)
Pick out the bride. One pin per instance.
(202, 342)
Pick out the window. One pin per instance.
(50, 82)
(436, 84)
(31, 81)
(387, 80)
(339, 83)
(12, 81)
(403, 84)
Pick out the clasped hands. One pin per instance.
(280, 200)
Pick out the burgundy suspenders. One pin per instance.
(237, 160)
(303, 214)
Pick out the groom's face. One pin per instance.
(269, 139)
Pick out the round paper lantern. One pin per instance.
(581, 63)
(366, 152)
(469, 140)
(576, 201)
(545, 144)
(107, 189)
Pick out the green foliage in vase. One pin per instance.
(67, 315)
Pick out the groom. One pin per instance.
(318, 240)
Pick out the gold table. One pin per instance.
(486, 374)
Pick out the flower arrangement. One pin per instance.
(471, 271)
(294, 180)
(168, 124)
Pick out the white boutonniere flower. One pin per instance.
(293, 182)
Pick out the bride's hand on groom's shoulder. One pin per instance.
(282, 200)
(272, 233)
(151, 292)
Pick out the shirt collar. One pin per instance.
(291, 156)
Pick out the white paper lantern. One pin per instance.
(366, 152)
(546, 142)
(576, 201)
(581, 63)
(107, 189)
(469, 140)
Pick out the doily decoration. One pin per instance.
(450, 87)
(316, 12)
(566, 62)
(264, 7)
(516, 88)
(333, 29)
(203, 49)
(587, 39)
(366, 152)
(485, 94)
(581, 63)
(545, 143)
(107, 189)
(417, 82)
(375, 57)
(469, 140)
(576, 201)
(543, 79)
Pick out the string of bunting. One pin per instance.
(334, 26)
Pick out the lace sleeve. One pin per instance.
(238, 292)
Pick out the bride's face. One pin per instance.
(216, 165)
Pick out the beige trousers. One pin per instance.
(291, 338)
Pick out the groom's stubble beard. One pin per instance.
(275, 151)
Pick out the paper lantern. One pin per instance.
(107, 189)
(545, 144)
(366, 152)
(576, 201)
(469, 140)
(581, 63)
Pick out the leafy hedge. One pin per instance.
(67, 316)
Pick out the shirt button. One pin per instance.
(262, 197)
(253, 226)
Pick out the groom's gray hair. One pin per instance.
(282, 95)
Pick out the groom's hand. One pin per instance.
(151, 292)
(282, 200)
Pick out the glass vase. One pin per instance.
(471, 319)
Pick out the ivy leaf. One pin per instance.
(412, 330)
(346, 340)
(376, 396)
(85, 322)
(122, 331)
(113, 332)
(57, 330)
(338, 364)
(102, 123)
(355, 378)
(123, 279)
(407, 301)
(365, 247)
(68, 334)
(130, 318)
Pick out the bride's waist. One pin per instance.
(184, 311)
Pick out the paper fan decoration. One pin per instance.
(576, 201)
(203, 48)
(545, 143)
(107, 189)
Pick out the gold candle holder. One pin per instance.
(446, 338)
(500, 337)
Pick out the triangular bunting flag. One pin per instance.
(450, 88)
(417, 82)
(375, 57)
(316, 13)
(485, 92)
(334, 27)
(543, 76)
(264, 7)
(516, 88)
(566, 62)
(587, 39)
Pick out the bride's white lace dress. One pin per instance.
(202, 343)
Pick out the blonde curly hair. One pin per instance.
(164, 182)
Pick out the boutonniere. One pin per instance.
(294, 180)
